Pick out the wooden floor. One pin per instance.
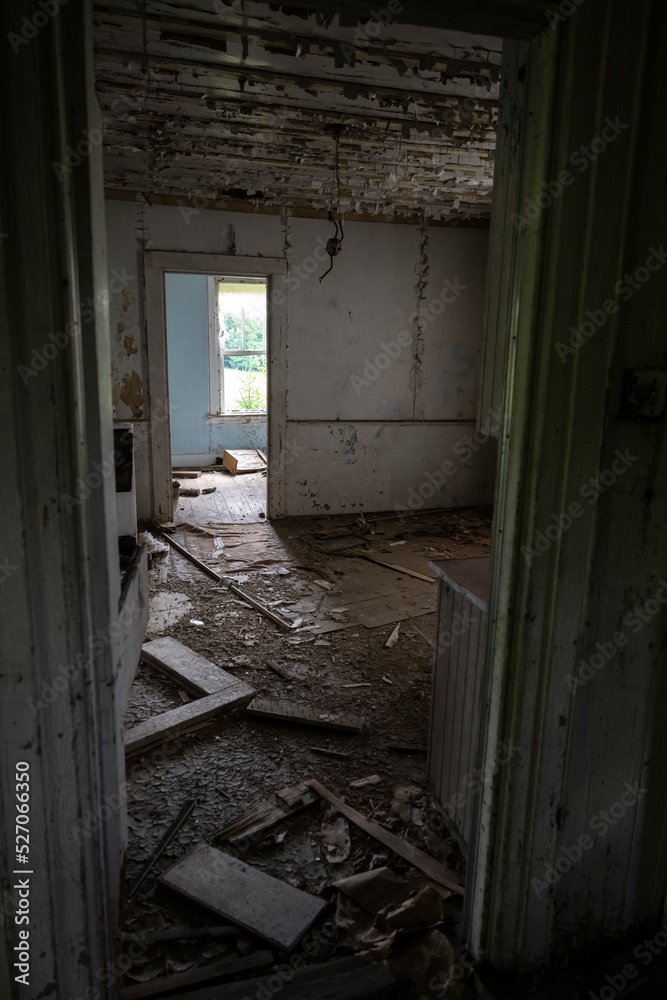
(237, 499)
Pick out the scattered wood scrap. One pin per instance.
(395, 566)
(183, 665)
(176, 722)
(181, 933)
(287, 711)
(428, 865)
(169, 835)
(329, 753)
(244, 460)
(263, 905)
(228, 584)
(355, 978)
(219, 972)
(264, 815)
(282, 671)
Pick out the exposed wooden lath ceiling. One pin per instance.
(281, 106)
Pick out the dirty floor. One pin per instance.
(339, 665)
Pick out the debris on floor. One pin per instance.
(285, 711)
(243, 460)
(261, 817)
(263, 596)
(266, 906)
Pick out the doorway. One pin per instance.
(217, 338)
(214, 331)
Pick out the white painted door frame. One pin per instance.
(157, 263)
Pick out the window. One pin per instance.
(239, 344)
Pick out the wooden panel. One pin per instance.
(273, 910)
(286, 711)
(440, 680)
(354, 978)
(459, 661)
(214, 972)
(355, 464)
(469, 576)
(192, 671)
(168, 725)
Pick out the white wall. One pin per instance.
(368, 427)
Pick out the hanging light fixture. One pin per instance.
(334, 242)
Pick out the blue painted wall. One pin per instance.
(187, 347)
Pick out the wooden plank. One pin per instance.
(286, 711)
(216, 576)
(354, 978)
(216, 972)
(263, 905)
(263, 815)
(193, 671)
(165, 737)
(169, 835)
(240, 461)
(428, 865)
(395, 566)
(282, 671)
(181, 933)
(171, 724)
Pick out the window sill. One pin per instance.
(236, 418)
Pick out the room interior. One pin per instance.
(483, 362)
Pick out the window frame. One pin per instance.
(217, 412)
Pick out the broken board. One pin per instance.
(354, 978)
(286, 711)
(193, 671)
(263, 905)
(264, 815)
(215, 972)
(428, 865)
(169, 725)
(242, 461)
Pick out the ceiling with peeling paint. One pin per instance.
(276, 106)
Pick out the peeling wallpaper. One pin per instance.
(379, 359)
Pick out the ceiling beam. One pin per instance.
(207, 35)
(241, 72)
(520, 19)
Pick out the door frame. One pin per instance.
(157, 263)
